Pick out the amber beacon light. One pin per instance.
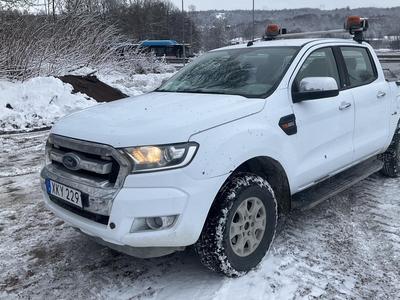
(354, 25)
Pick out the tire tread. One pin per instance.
(210, 247)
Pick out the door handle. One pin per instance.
(381, 94)
(344, 105)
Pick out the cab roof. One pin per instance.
(292, 42)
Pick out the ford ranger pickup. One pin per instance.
(234, 138)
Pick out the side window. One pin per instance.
(320, 63)
(360, 68)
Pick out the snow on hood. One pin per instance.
(155, 118)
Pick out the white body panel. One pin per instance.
(154, 118)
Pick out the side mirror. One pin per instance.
(312, 88)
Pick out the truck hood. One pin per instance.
(155, 118)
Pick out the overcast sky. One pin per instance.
(282, 4)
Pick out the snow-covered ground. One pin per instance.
(346, 248)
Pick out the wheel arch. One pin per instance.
(391, 157)
(273, 172)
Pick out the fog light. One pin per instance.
(160, 222)
(153, 223)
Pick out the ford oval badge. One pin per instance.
(71, 161)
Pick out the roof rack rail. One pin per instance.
(354, 25)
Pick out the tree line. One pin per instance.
(134, 19)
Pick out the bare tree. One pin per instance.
(216, 34)
(7, 5)
(37, 46)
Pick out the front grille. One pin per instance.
(97, 170)
(91, 165)
(95, 166)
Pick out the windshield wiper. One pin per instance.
(198, 91)
(202, 91)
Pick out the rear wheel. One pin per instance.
(391, 158)
(240, 226)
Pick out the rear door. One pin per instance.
(371, 100)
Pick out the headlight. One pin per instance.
(155, 158)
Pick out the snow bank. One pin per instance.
(39, 102)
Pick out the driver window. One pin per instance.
(320, 63)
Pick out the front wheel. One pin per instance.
(240, 226)
(391, 158)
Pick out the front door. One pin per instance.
(325, 126)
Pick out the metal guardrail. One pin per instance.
(380, 55)
(176, 60)
(391, 65)
(390, 62)
(389, 58)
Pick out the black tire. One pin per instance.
(240, 226)
(391, 158)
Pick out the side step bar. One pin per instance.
(324, 190)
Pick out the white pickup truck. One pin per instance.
(211, 157)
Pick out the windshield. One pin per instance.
(249, 72)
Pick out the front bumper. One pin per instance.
(167, 193)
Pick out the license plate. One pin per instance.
(64, 192)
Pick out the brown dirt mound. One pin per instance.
(93, 87)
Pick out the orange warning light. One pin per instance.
(353, 19)
(272, 27)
